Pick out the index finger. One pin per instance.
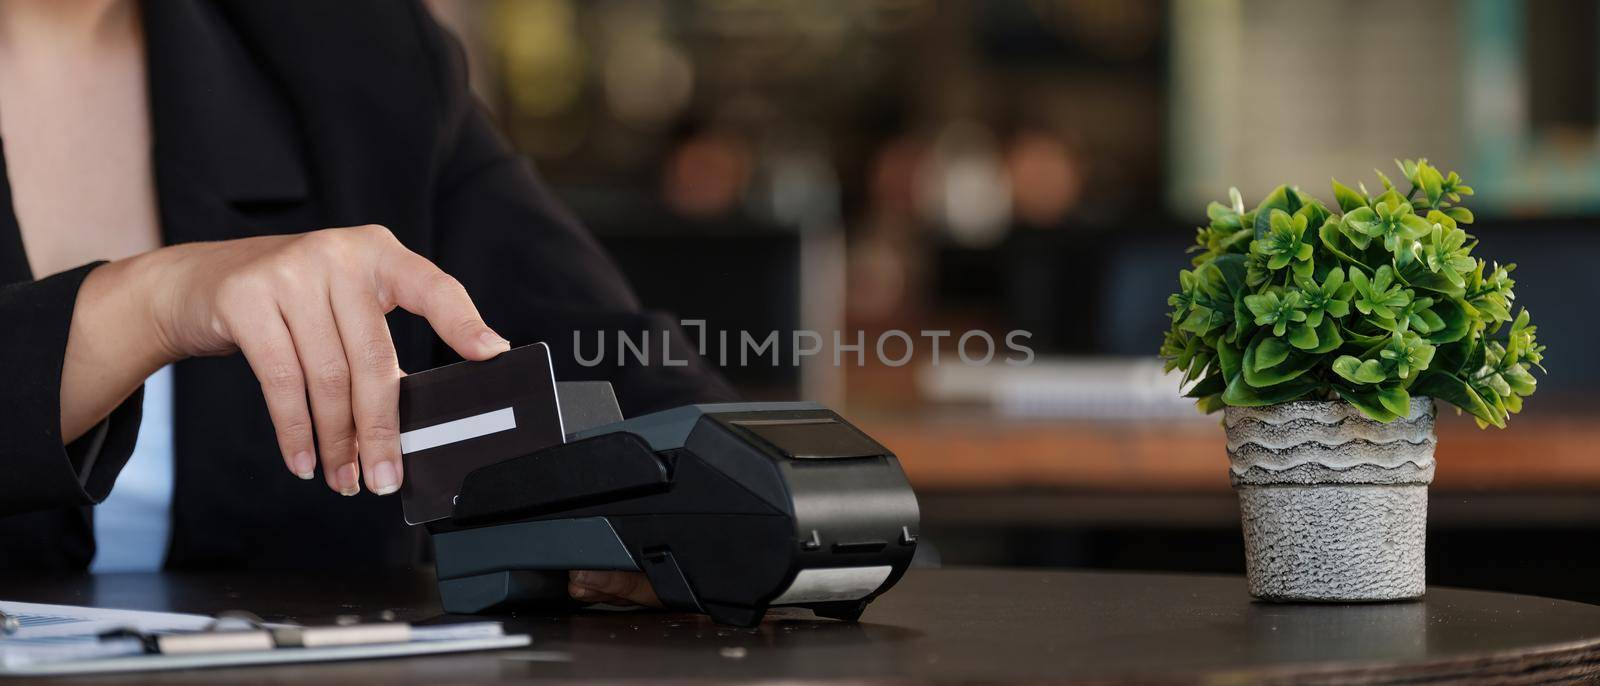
(420, 287)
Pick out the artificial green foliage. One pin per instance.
(1371, 301)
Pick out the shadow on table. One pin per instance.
(790, 642)
(1301, 632)
(783, 628)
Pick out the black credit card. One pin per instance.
(463, 416)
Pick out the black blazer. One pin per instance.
(279, 117)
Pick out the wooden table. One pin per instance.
(952, 624)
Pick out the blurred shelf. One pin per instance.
(946, 450)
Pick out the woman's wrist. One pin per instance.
(115, 341)
(136, 297)
(162, 282)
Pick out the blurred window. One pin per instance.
(1562, 66)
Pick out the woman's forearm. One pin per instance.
(113, 345)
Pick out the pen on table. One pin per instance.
(262, 638)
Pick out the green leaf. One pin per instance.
(1395, 400)
(1358, 371)
(1232, 269)
(1230, 359)
(1328, 338)
(1432, 183)
(1296, 364)
(1477, 356)
(1213, 384)
(1454, 322)
(1330, 235)
(1263, 304)
(1450, 357)
(1303, 337)
(1361, 219)
(1281, 198)
(1313, 210)
(1359, 279)
(1416, 275)
(1412, 226)
(1270, 353)
(1347, 367)
(1521, 381)
(1408, 169)
(1453, 390)
(1387, 184)
(1426, 320)
(1498, 384)
(1368, 403)
(1442, 219)
(1390, 197)
(1347, 197)
(1241, 394)
(1365, 342)
(1241, 323)
(1201, 321)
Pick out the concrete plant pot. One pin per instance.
(1334, 505)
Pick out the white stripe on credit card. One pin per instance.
(458, 430)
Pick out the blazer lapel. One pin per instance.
(226, 145)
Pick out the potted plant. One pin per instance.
(1325, 334)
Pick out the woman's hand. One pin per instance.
(614, 588)
(307, 311)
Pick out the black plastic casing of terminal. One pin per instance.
(722, 506)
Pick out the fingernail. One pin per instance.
(305, 465)
(384, 479)
(493, 340)
(583, 578)
(580, 593)
(349, 479)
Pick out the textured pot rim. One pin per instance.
(1316, 403)
(1331, 437)
(1421, 406)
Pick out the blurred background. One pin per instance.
(1040, 165)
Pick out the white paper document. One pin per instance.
(46, 621)
(65, 639)
(55, 633)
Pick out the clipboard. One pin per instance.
(151, 663)
(48, 640)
